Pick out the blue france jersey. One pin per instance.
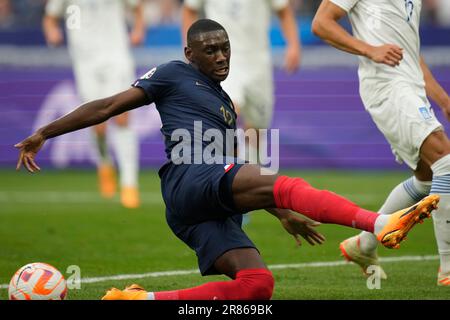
(188, 102)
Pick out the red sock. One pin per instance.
(250, 284)
(321, 205)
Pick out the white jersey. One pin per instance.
(96, 29)
(380, 22)
(247, 23)
(443, 12)
(250, 81)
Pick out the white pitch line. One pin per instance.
(342, 262)
(273, 267)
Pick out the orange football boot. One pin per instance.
(402, 221)
(133, 292)
(129, 197)
(351, 251)
(443, 279)
(107, 180)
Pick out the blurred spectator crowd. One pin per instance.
(28, 13)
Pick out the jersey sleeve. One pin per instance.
(277, 5)
(55, 8)
(157, 82)
(347, 5)
(196, 5)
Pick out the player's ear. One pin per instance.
(188, 53)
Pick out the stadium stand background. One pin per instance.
(318, 110)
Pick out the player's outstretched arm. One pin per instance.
(86, 115)
(137, 35)
(434, 90)
(298, 226)
(289, 27)
(325, 25)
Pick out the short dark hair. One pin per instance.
(202, 26)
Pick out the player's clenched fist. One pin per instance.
(389, 54)
(28, 149)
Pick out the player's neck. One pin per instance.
(205, 76)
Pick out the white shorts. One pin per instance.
(252, 89)
(406, 119)
(101, 79)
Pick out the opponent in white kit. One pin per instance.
(98, 42)
(250, 82)
(394, 85)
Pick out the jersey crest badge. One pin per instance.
(426, 113)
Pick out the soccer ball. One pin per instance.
(37, 281)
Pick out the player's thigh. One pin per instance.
(87, 80)
(250, 86)
(257, 108)
(234, 86)
(252, 188)
(118, 77)
(252, 90)
(406, 120)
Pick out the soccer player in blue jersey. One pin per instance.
(205, 199)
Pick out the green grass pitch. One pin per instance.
(58, 217)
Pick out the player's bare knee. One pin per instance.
(251, 190)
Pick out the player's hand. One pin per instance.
(137, 37)
(292, 58)
(388, 54)
(28, 149)
(298, 226)
(54, 37)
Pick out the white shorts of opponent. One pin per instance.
(406, 119)
(101, 79)
(252, 89)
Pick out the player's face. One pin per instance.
(211, 53)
